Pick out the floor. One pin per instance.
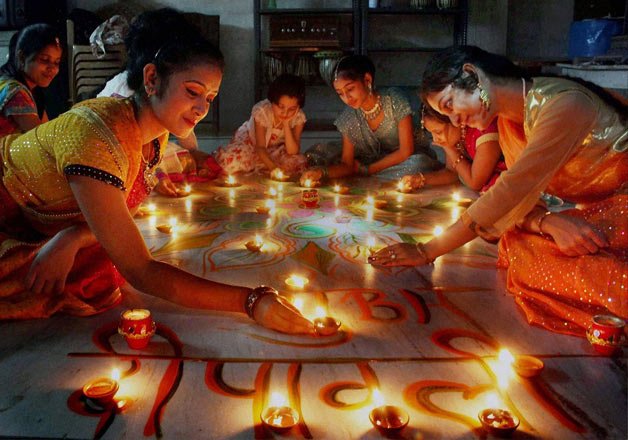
(426, 338)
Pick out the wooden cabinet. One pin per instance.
(306, 37)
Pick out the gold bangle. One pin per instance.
(421, 181)
(540, 222)
(420, 247)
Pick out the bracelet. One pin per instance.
(458, 161)
(420, 247)
(363, 169)
(160, 175)
(421, 181)
(255, 296)
(540, 222)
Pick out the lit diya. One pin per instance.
(499, 422)
(402, 187)
(309, 183)
(341, 189)
(266, 207)
(231, 182)
(137, 327)
(296, 282)
(185, 191)
(278, 175)
(279, 417)
(527, 366)
(388, 419)
(464, 202)
(102, 390)
(255, 245)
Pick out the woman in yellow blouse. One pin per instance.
(560, 137)
(70, 187)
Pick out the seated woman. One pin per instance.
(377, 134)
(66, 223)
(559, 136)
(471, 155)
(271, 139)
(146, 36)
(34, 59)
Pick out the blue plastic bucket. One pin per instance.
(589, 38)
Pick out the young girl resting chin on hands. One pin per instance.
(270, 139)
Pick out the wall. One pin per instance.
(487, 28)
(539, 29)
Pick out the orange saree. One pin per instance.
(582, 158)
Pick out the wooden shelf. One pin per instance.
(413, 11)
(305, 11)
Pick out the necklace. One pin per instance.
(150, 180)
(374, 112)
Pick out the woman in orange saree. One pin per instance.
(558, 136)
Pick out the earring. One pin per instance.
(149, 90)
(370, 87)
(484, 98)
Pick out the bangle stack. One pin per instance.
(540, 222)
(421, 181)
(254, 298)
(420, 247)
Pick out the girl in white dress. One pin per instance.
(270, 140)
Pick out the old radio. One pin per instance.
(293, 31)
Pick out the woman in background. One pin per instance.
(34, 59)
(558, 136)
(376, 128)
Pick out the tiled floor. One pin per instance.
(426, 338)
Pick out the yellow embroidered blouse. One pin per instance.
(99, 138)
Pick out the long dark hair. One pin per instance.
(354, 67)
(287, 85)
(28, 42)
(166, 38)
(446, 67)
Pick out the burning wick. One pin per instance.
(279, 416)
(325, 325)
(388, 419)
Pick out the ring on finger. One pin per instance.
(393, 256)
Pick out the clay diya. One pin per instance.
(402, 188)
(309, 198)
(498, 422)
(166, 229)
(185, 191)
(137, 327)
(255, 245)
(380, 204)
(527, 366)
(278, 175)
(341, 189)
(296, 282)
(101, 390)
(606, 334)
(389, 419)
(326, 326)
(231, 182)
(280, 418)
(309, 183)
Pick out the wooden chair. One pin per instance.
(86, 72)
